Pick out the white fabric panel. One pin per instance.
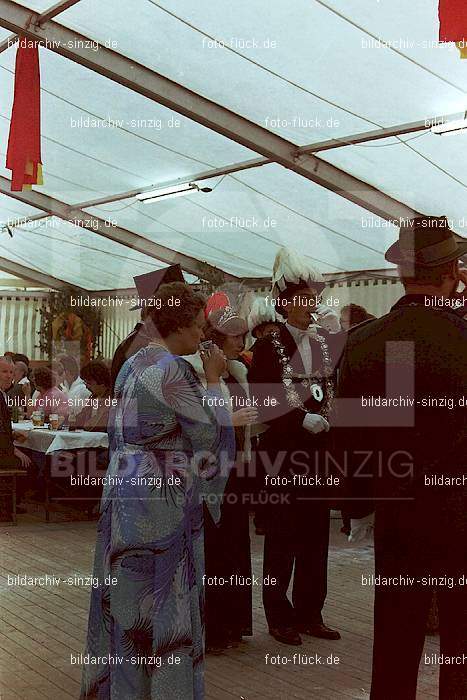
(76, 255)
(242, 223)
(408, 176)
(11, 209)
(313, 48)
(37, 5)
(19, 325)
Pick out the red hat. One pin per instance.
(222, 317)
(218, 300)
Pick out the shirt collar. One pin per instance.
(78, 381)
(298, 333)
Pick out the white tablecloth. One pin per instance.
(47, 441)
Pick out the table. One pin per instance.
(47, 444)
(48, 441)
(8, 489)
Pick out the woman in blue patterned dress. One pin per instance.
(171, 448)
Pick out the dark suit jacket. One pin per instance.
(391, 453)
(286, 448)
(134, 341)
(7, 455)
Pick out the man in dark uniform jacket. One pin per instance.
(291, 377)
(7, 451)
(10, 457)
(400, 405)
(146, 285)
(134, 341)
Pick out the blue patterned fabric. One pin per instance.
(146, 616)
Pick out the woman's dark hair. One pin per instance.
(44, 378)
(97, 372)
(19, 357)
(179, 306)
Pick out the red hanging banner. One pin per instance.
(452, 20)
(24, 143)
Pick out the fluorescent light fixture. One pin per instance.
(457, 126)
(170, 192)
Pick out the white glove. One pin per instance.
(362, 528)
(315, 423)
(327, 318)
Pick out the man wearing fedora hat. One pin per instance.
(146, 286)
(401, 403)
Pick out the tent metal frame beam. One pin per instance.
(204, 175)
(366, 136)
(355, 139)
(76, 216)
(57, 9)
(172, 95)
(34, 276)
(221, 171)
(44, 17)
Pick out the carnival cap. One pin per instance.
(222, 317)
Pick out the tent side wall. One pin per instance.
(117, 322)
(20, 324)
(20, 318)
(376, 295)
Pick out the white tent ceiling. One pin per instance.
(312, 61)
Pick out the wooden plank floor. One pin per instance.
(41, 627)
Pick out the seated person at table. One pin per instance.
(58, 370)
(13, 392)
(96, 377)
(20, 390)
(77, 392)
(49, 399)
(10, 456)
(19, 357)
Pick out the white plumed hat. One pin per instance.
(292, 271)
(261, 311)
